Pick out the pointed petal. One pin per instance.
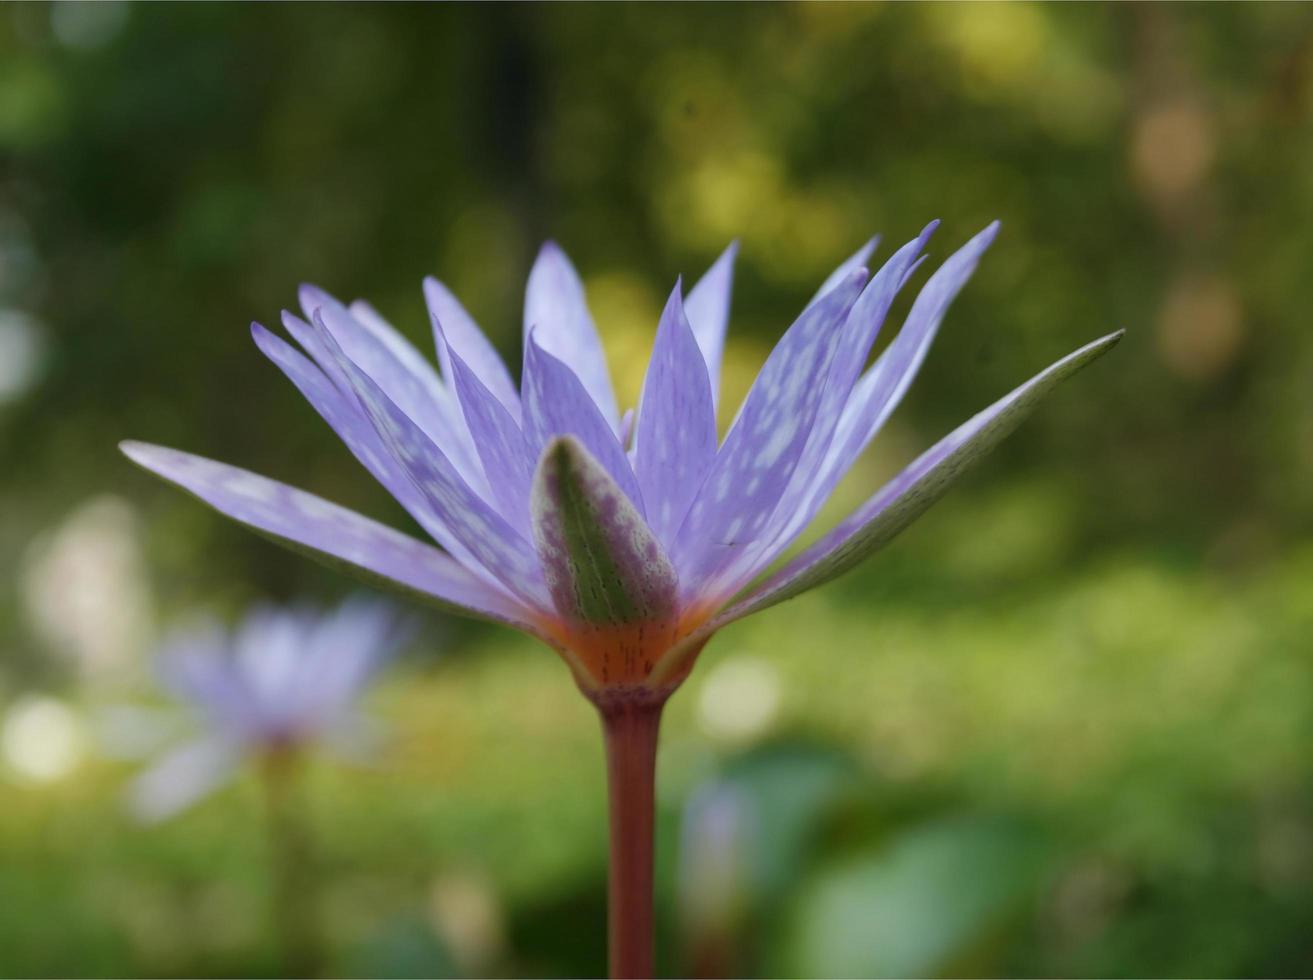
(811, 483)
(454, 329)
(477, 535)
(707, 308)
(910, 493)
(332, 534)
(409, 381)
(182, 778)
(884, 385)
(340, 410)
(850, 265)
(556, 404)
(500, 443)
(761, 451)
(556, 313)
(676, 425)
(604, 567)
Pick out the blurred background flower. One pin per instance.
(1089, 673)
(283, 681)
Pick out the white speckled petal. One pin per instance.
(454, 329)
(477, 535)
(499, 441)
(761, 451)
(556, 404)
(603, 565)
(332, 534)
(810, 484)
(910, 493)
(341, 411)
(410, 382)
(556, 313)
(676, 438)
(707, 309)
(880, 390)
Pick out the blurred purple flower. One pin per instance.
(622, 542)
(284, 678)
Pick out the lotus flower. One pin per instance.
(623, 541)
(283, 679)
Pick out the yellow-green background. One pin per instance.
(1063, 726)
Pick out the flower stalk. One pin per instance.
(292, 864)
(629, 728)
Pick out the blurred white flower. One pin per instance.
(85, 587)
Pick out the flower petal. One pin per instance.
(411, 383)
(476, 534)
(455, 330)
(556, 404)
(332, 534)
(556, 313)
(910, 493)
(811, 483)
(183, 777)
(500, 443)
(603, 565)
(761, 451)
(850, 265)
(676, 438)
(340, 410)
(707, 308)
(881, 389)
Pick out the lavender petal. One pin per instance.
(455, 330)
(556, 313)
(411, 383)
(183, 777)
(556, 404)
(476, 534)
(909, 494)
(761, 451)
(881, 389)
(340, 410)
(333, 534)
(500, 443)
(676, 438)
(812, 480)
(849, 265)
(707, 308)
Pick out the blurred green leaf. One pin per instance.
(915, 904)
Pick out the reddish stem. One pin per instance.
(629, 727)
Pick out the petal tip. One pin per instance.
(311, 296)
(139, 452)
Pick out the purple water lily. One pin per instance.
(622, 541)
(282, 679)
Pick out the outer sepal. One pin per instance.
(615, 591)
